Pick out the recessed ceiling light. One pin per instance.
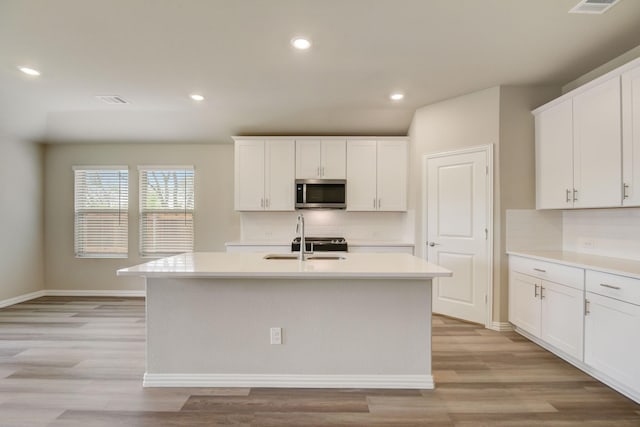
(29, 71)
(396, 96)
(197, 97)
(301, 43)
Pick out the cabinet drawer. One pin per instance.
(558, 273)
(621, 288)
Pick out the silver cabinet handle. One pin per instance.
(625, 187)
(318, 171)
(322, 169)
(609, 286)
(575, 195)
(432, 244)
(540, 270)
(535, 291)
(587, 306)
(374, 203)
(379, 203)
(262, 203)
(541, 292)
(568, 195)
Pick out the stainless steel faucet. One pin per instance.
(303, 243)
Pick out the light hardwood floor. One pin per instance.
(79, 362)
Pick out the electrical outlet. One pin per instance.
(276, 335)
(588, 244)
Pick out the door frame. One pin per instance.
(488, 150)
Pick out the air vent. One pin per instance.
(112, 99)
(593, 6)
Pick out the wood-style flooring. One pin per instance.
(78, 362)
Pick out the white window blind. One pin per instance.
(101, 216)
(166, 210)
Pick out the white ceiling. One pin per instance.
(237, 54)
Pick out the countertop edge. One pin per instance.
(611, 265)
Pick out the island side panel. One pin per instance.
(330, 327)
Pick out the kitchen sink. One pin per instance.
(281, 256)
(308, 258)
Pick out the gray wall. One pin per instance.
(21, 227)
(500, 116)
(215, 220)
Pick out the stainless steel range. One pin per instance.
(321, 244)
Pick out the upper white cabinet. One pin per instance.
(321, 159)
(554, 157)
(579, 149)
(597, 147)
(264, 175)
(377, 175)
(631, 137)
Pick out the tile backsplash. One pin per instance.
(605, 232)
(281, 226)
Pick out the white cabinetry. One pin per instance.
(377, 175)
(321, 159)
(597, 147)
(554, 157)
(631, 137)
(264, 175)
(579, 149)
(546, 300)
(612, 328)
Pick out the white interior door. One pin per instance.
(458, 200)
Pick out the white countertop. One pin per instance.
(624, 267)
(253, 265)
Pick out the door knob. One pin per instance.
(432, 244)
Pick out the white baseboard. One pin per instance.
(69, 293)
(92, 293)
(21, 298)
(288, 381)
(501, 326)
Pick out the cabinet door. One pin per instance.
(524, 302)
(392, 176)
(554, 157)
(597, 146)
(308, 159)
(611, 343)
(279, 175)
(334, 159)
(361, 175)
(631, 137)
(249, 175)
(562, 317)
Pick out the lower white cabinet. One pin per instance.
(612, 327)
(588, 317)
(612, 339)
(547, 310)
(562, 312)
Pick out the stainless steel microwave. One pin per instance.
(321, 194)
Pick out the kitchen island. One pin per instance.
(362, 321)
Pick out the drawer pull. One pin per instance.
(535, 291)
(541, 292)
(540, 270)
(587, 304)
(604, 285)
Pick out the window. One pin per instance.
(166, 210)
(101, 211)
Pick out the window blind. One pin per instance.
(166, 210)
(101, 213)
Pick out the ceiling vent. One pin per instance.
(112, 99)
(593, 6)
